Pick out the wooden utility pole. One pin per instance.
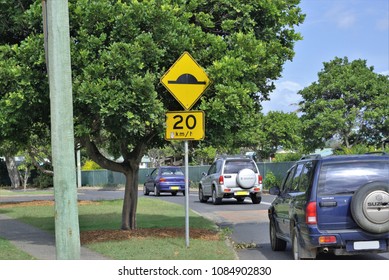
(56, 23)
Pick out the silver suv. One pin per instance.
(231, 177)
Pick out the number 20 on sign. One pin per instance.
(185, 125)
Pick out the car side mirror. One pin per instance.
(274, 191)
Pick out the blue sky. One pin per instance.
(358, 29)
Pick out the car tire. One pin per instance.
(370, 207)
(202, 198)
(246, 178)
(255, 199)
(145, 191)
(215, 200)
(156, 191)
(276, 243)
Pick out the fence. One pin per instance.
(110, 178)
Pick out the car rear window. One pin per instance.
(234, 166)
(171, 171)
(347, 177)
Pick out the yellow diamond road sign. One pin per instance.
(186, 80)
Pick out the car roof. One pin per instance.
(237, 157)
(361, 157)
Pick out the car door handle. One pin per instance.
(328, 203)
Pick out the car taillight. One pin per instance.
(259, 179)
(221, 180)
(311, 217)
(328, 239)
(162, 179)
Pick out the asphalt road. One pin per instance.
(248, 222)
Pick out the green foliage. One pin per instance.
(270, 180)
(120, 49)
(43, 181)
(356, 150)
(349, 102)
(287, 157)
(91, 165)
(280, 130)
(204, 155)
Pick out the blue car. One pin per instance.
(165, 179)
(332, 205)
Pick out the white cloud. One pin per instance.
(386, 73)
(342, 16)
(284, 98)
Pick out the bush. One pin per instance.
(287, 157)
(355, 150)
(43, 181)
(270, 180)
(91, 165)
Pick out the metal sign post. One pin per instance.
(186, 81)
(186, 195)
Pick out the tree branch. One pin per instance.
(99, 158)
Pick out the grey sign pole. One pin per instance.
(186, 195)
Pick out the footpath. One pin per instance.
(36, 242)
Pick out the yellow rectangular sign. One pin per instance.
(185, 125)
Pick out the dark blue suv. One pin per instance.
(335, 204)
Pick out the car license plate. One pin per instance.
(241, 193)
(366, 245)
(174, 188)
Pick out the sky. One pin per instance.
(358, 29)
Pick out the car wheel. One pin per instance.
(145, 191)
(246, 178)
(370, 207)
(202, 198)
(276, 243)
(215, 200)
(156, 191)
(255, 199)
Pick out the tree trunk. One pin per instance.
(26, 175)
(129, 167)
(13, 172)
(130, 202)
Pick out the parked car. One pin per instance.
(231, 177)
(335, 204)
(169, 179)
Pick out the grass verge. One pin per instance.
(10, 252)
(152, 213)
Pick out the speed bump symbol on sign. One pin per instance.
(186, 81)
(185, 125)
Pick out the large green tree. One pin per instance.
(349, 102)
(281, 130)
(120, 49)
